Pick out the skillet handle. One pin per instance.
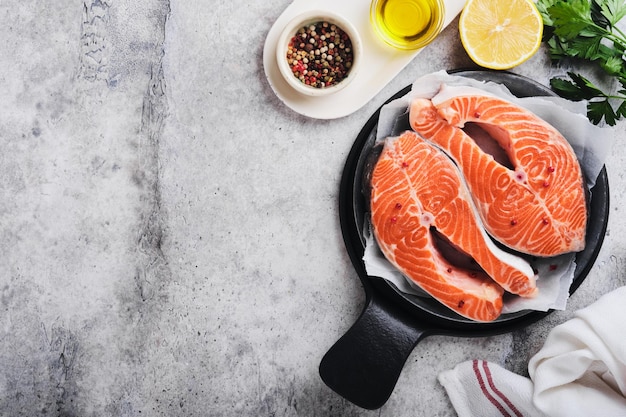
(364, 365)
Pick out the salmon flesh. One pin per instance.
(417, 192)
(535, 202)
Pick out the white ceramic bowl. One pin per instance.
(305, 19)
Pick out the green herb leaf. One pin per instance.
(613, 10)
(598, 16)
(596, 110)
(587, 88)
(613, 65)
(566, 89)
(570, 18)
(586, 30)
(557, 50)
(587, 47)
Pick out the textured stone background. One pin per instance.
(170, 237)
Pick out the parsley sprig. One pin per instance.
(586, 30)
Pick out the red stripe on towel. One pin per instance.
(498, 392)
(486, 393)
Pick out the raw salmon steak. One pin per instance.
(535, 202)
(416, 190)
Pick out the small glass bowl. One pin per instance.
(306, 19)
(407, 24)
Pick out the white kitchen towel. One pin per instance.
(580, 371)
(481, 388)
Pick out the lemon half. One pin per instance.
(500, 34)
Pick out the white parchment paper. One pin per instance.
(590, 143)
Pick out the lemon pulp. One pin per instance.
(500, 34)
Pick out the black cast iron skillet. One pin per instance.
(363, 366)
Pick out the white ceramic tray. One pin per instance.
(381, 63)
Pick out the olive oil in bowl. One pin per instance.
(407, 24)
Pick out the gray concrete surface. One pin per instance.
(169, 229)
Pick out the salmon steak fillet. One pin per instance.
(416, 190)
(534, 203)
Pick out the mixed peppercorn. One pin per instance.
(320, 54)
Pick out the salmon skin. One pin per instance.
(416, 188)
(537, 205)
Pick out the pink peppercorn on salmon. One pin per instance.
(415, 188)
(536, 205)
